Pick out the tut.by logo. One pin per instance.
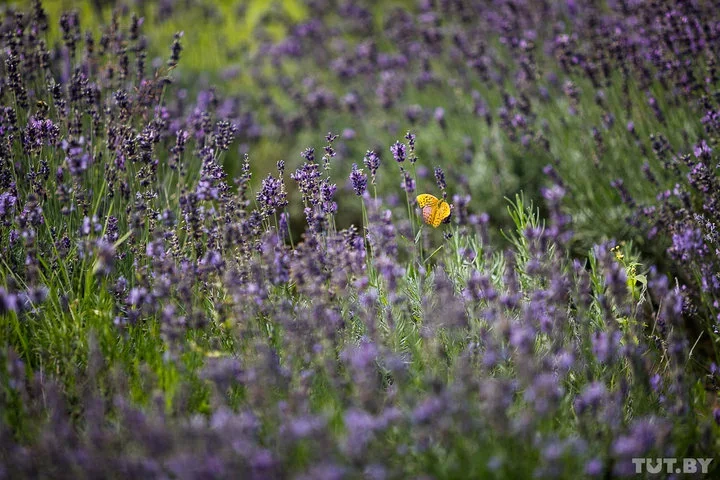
(671, 465)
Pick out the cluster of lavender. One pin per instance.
(619, 103)
(519, 85)
(159, 321)
(684, 220)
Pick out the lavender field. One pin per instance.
(335, 239)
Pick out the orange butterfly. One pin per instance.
(434, 211)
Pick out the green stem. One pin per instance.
(433, 253)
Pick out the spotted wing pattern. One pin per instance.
(425, 200)
(428, 214)
(441, 213)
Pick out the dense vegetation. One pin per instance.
(213, 264)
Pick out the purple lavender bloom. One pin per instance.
(175, 50)
(77, 158)
(360, 426)
(32, 213)
(359, 180)
(327, 192)
(308, 154)
(688, 244)
(553, 194)
(283, 229)
(7, 204)
(305, 426)
(658, 283)
(460, 211)
(523, 338)
(272, 196)
(408, 183)
(619, 185)
(480, 287)
(544, 393)
(31, 298)
(644, 435)
(105, 257)
(440, 179)
(8, 301)
(155, 250)
(324, 472)
(276, 257)
(655, 382)
(591, 397)
(307, 178)
(605, 345)
(225, 133)
(138, 296)
(361, 356)
(439, 116)
(40, 132)
(399, 151)
(427, 409)
(375, 472)
(594, 467)
(410, 137)
(372, 163)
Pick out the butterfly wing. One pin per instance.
(425, 200)
(428, 213)
(442, 211)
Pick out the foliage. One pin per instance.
(165, 315)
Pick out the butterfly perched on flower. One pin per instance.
(434, 210)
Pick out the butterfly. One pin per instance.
(434, 211)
